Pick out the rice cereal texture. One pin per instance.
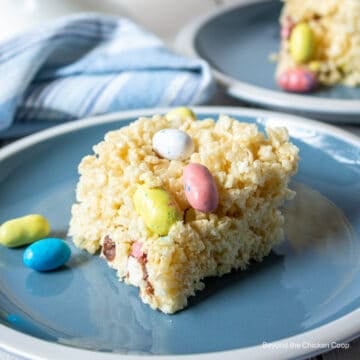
(251, 171)
(336, 26)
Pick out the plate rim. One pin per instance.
(343, 329)
(185, 43)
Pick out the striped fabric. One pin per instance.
(91, 64)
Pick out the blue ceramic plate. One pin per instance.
(237, 43)
(306, 292)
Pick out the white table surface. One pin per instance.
(164, 18)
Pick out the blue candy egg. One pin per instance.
(47, 254)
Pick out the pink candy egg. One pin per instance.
(287, 28)
(136, 250)
(285, 32)
(200, 188)
(299, 80)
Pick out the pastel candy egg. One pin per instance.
(23, 230)
(200, 188)
(299, 80)
(157, 209)
(285, 32)
(302, 43)
(173, 144)
(47, 254)
(314, 66)
(180, 113)
(286, 27)
(137, 252)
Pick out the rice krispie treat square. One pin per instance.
(160, 227)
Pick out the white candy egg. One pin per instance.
(173, 144)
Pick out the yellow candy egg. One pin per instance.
(157, 208)
(315, 66)
(181, 113)
(24, 230)
(302, 43)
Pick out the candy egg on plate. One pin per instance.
(200, 188)
(47, 254)
(300, 80)
(173, 144)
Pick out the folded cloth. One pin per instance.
(91, 64)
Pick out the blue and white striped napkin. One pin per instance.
(91, 64)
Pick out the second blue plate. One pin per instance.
(237, 43)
